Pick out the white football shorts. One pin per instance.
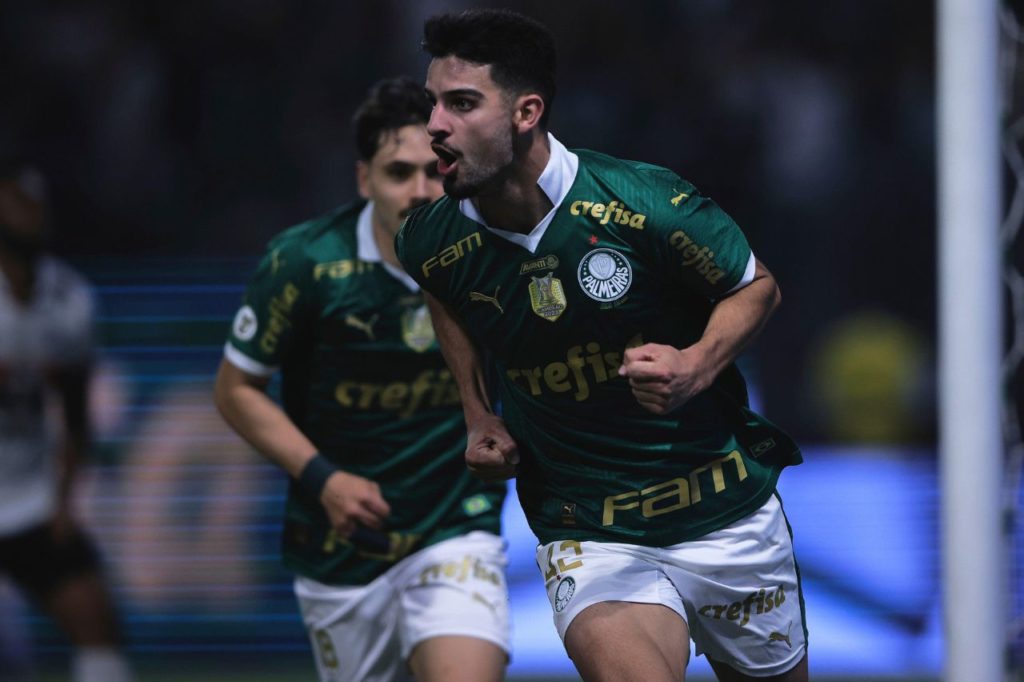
(738, 588)
(366, 633)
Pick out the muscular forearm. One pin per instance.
(463, 360)
(349, 500)
(737, 319)
(260, 421)
(663, 378)
(491, 453)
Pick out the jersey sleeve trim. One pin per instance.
(245, 363)
(748, 275)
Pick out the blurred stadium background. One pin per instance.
(178, 137)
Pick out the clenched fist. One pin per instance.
(664, 378)
(491, 454)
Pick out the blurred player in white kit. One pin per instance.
(46, 355)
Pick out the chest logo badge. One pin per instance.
(245, 324)
(417, 330)
(605, 275)
(547, 298)
(549, 262)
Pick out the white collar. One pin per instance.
(366, 248)
(555, 182)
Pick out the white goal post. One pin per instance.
(970, 340)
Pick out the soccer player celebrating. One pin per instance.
(397, 549)
(613, 299)
(46, 358)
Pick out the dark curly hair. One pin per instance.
(392, 103)
(519, 50)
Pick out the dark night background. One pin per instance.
(178, 137)
(195, 129)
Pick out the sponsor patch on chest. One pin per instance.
(547, 297)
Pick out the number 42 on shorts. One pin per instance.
(571, 548)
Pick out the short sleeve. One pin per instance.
(412, 250)
(698, 245)
(275, 311)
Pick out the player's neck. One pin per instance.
(518, 203)
(385, 244)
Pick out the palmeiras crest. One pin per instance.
(605, 275)
(547, 298)
(417, 331)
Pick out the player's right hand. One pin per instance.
(491, 454)
(353, 501)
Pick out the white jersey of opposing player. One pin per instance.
(53, 331)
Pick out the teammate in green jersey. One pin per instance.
(612, 299)
(397, 548)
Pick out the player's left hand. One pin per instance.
(491, 453)
(664, 378)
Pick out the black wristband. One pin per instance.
(314, 476)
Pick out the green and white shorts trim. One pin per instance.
(738, 588)
(366, 633)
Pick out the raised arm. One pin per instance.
(491, 454)
(664, 378)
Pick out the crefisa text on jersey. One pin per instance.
(280, 307)
(614, 211)
(694, 255)
(555, 375)
(430, 389)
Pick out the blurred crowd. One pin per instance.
(200, 128)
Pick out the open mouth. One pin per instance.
(446, 159)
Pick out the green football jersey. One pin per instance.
(362, 376)
(633, 254)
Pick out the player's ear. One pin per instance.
(528, 110)
(363, 178)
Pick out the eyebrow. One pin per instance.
(457, 92)
(462, 92)
(398, 164)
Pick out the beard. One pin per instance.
(459, 188)
(469, 180)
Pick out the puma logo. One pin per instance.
(775, 636)
(475, 296)
(365, 327)
(675, 201)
